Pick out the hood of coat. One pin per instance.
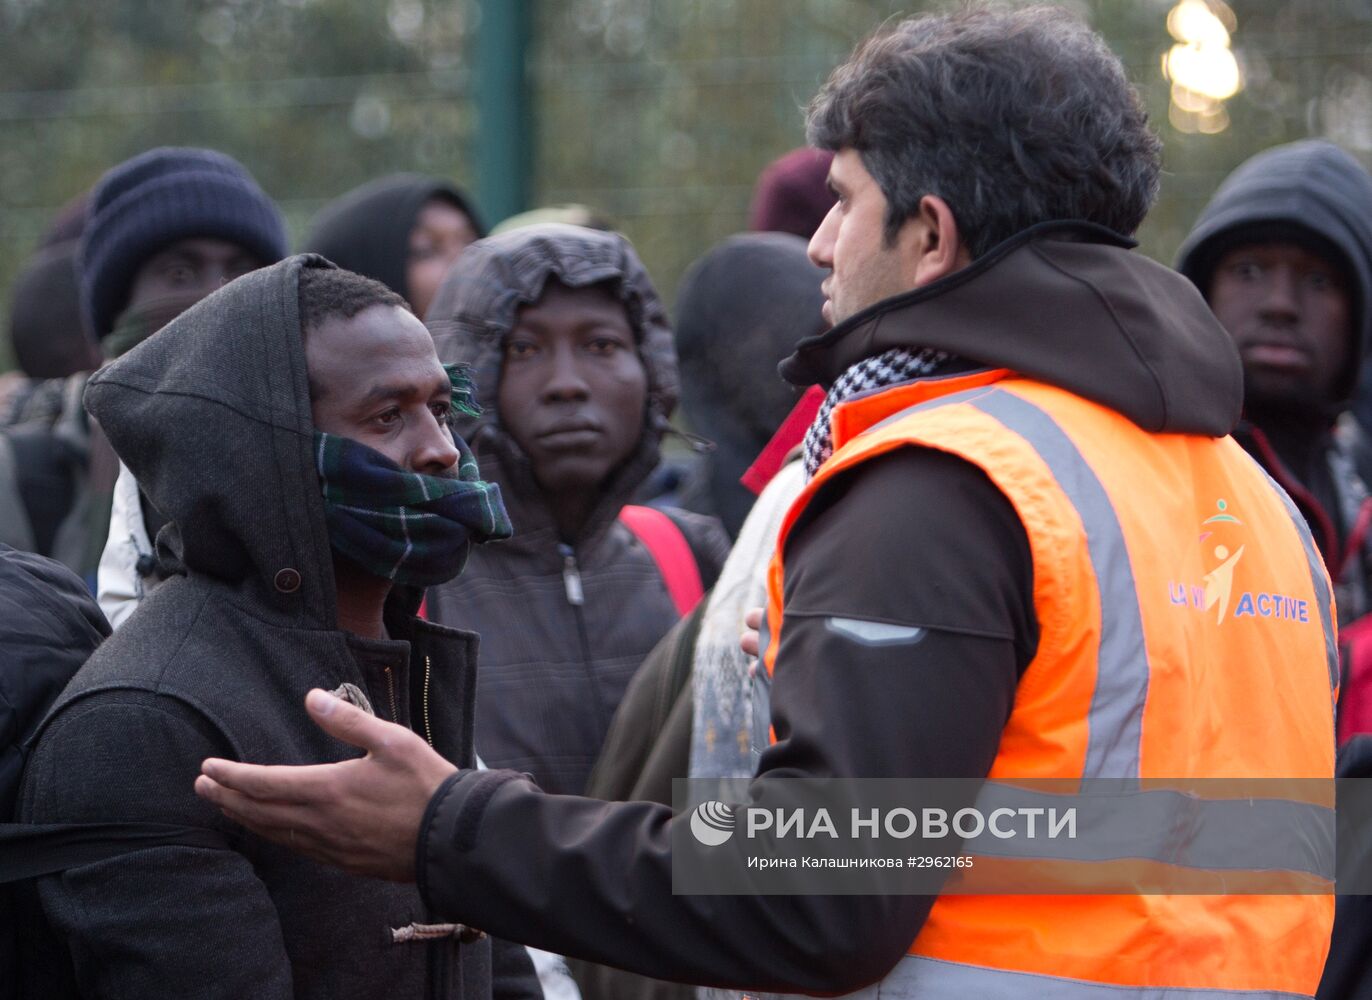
(1070, 304)
(476, 308)
(1309, 187)
(368, 229)
(212, 416)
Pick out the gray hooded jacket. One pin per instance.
(553, 670)
(212, 415)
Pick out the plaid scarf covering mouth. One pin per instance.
(880, 371)
(408, 527)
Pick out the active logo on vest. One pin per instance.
(1222, 538)
(712, 823)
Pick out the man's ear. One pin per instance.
(934, 247)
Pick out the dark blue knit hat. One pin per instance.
(157, 198)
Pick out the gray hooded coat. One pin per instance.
(554, 671)
(212, 415)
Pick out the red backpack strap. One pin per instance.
(1355, 694)
(670, 550)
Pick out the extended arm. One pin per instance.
(920, 541)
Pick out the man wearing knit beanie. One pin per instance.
(165, 229)
(792, 194)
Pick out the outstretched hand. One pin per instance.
(361, 815)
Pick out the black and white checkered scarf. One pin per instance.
(899, 364)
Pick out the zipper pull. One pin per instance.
(571, 577)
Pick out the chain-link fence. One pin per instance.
(659, 114)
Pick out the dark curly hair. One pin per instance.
(331, 291)
(1012, 117)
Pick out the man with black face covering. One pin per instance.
(335, 490)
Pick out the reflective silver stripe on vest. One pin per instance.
(1115, 722)
(1170, 827)
(1323, 599)
(916, 977)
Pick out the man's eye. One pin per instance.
(604, 345)
(1247, 271)
(388, 418)
(1319, 281)
(518, 349)
(180, 275)
(442, 412)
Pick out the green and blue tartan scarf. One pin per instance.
(405, 526)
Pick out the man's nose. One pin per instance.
(565, 377)
(821, 248)
(436, 452)
(1278, 299)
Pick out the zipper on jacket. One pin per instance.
(576, 597)
(571, 577)
(390, 690)
(428, 730)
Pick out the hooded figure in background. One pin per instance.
(403, 230)
(44, 441)
(1283, 255)
(223, 417)
(573, 359)
(740, 310)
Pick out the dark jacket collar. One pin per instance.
(1069, 304)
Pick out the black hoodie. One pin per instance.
(212, 415)
(741, 308)
(367, 230)
(918, 537)
(1310, 191)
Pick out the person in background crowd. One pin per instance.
(404, 230)
(792, 194)
(573, 354)
(740, 310)
(166, 228)
(305, 512)
(44, 443)
(1283, 254)
(46, 331)
(567, 215)
(1026, 427)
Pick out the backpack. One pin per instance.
(667, 544)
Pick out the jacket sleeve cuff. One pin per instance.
(449, 829)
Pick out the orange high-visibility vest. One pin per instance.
(1186, 632)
